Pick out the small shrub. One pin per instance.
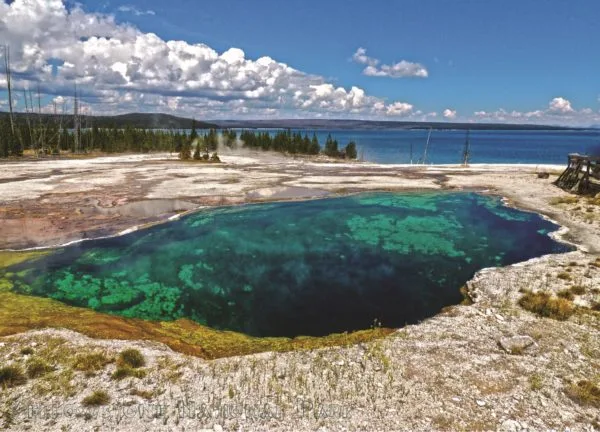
(12, 376)
(566, 294)
(27, 351)
(578, 289)
(125, 372)
(584, 393)
(564, 276)
(37, 368)
(91, 362)
(536, 382)
(132, 358)
(98, 398)
(145, 394)
(544, 305)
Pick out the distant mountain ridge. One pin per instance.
(377, 125)
(167, 121)
(135, 120)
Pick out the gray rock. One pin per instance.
(510, 426)
(516, 344)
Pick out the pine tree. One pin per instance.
(350, 150)
(197, 155)
(331, 147)
(194, 134)
(314, 148)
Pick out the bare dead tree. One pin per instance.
(76, 121)
(41, 130)
(9, 85)
(27, 119)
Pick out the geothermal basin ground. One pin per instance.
(524, 355)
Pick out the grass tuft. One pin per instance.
(37, 368)
(564, 276)
(544, 305)
(564, 200)
(12, 376)
(131, 358)
(90, 363)
(536, 382)
(566, 294)
(584, 393)
(144, 394)
(578, 289)
(126, 372)
(97, 398)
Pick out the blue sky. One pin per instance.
(514, 61)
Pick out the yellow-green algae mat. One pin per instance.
(20, 313)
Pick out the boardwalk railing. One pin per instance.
(580, 174)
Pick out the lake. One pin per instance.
(446, 146)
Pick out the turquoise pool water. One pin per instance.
(296, 268)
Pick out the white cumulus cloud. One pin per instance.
(449, 114)
(560, 105)
(402, 69)
(399, 109)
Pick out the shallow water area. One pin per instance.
(296, 268)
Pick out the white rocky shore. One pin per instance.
(491, 365)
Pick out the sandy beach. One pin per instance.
(491, 365)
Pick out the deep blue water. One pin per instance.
(446, 147)
(296, 268)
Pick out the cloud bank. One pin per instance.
(119, 68)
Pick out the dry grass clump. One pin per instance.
(144, 394)
(577, 289)
(566, 294)
(594, 201)
(564, 200)
(12, 376)
(544, 305)
(131, 358)
(129, 361)
(564, 276)
(584, 393)
(536, 382)
(127, 372)
(37, 367)
(97, 398)
(91, 363)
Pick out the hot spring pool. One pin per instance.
(296, 268)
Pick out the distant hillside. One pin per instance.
(376, 124)
(166, 121)
(135, 120)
